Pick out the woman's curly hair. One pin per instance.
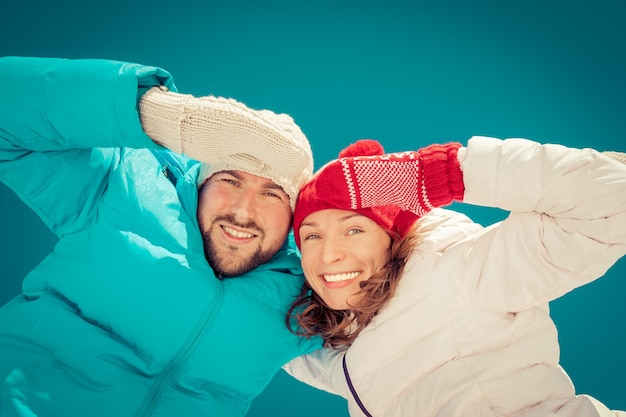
(341, 327)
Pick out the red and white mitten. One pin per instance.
(414, 181)
(394, 190)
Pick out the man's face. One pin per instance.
(244, 220)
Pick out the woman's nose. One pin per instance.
(332, 251)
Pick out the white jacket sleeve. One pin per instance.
(567, 224)
(322, 369)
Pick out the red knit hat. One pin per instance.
(366, 181)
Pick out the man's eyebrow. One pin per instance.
(273, 185)
(268, 184)
(229, 172)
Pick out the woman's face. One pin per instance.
(340, 249)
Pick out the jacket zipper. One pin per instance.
(169, 166)
(164, 378)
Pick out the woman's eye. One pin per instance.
(311, 237)
(354, 231)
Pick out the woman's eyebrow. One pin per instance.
(341, 220)
(348, 216)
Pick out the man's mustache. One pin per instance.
(229, 218)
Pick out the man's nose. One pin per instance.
(244, 205)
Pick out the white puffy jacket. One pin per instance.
(468, 332)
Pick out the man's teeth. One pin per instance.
(341, 277)
(237, 233)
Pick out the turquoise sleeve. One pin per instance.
(62, 126)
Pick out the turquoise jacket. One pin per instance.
(125, 317)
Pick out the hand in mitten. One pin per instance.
(227, 135)
(415, 181)
(208, 128)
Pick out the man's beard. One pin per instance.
(219, 262)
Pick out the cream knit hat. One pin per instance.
(224, 134)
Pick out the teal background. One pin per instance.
(407, 73)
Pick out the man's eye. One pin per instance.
(229, 181)
(311, 237)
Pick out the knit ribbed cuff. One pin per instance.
(443, 178)
(162, 113)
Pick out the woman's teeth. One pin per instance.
(341, 277)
